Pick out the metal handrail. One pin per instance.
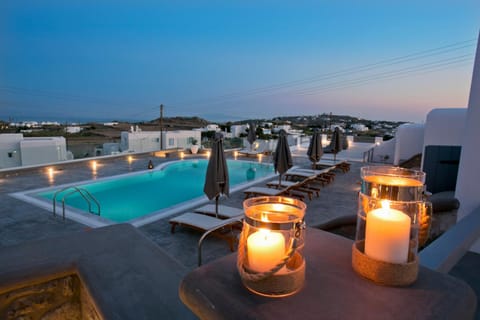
(88, 197)
(225, 223)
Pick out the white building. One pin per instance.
(359, 127)
(238, 129)
(212, 127)
(279, 127)
(73, 129)
(15, 150)
(146, 141)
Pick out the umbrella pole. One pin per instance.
(216, 206)
(279, 180)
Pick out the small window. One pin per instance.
(171, 141)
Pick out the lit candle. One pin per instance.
(387, 234)
(265, 249)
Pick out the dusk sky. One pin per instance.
(234, 60)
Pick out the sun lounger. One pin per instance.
(323, 176)
(307, 186)
(265, 191)
(223, 228)
(342, 165)
(224, 212)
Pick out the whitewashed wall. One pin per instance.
(445, 127)
(468, 181)
(43, 150)
(408, 142)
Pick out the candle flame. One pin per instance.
(385, 204)
(264, 217)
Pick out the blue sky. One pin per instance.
(232, 60)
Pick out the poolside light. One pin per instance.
(270, 259)
(391, 209)
(235, 154)
(182, 155)
(50, 173)
(130, 159)
(260, 157)
(94, 167)
(208, 154)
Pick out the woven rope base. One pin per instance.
(384, 273)
(285, 282)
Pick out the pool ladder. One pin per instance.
(85, 195)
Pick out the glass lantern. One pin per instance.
(392, 183)
(386, 241)
(270, 259)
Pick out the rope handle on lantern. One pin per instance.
(257, 276)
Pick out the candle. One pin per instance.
(387, 234)
(265, 249)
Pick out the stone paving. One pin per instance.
(22, 222)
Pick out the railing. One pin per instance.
(368, 155)
(228, 222)
(86, 195)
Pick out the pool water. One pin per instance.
(129, 197)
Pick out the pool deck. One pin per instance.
(21, 222)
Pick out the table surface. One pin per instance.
(332, 290)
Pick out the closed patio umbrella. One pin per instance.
(282, 160)
(315, 149)
(216, 178)
(337, 144)
(252, 135)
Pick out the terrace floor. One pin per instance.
(21, 222)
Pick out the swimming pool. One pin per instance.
(150, 195)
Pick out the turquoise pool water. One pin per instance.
(129, 197)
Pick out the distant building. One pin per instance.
(146, 141)
(73, 129)
(212, 127)
(237, 130)
(15, 150)
(111, 124)
(359, 127)
(27, 124)
(279, 127)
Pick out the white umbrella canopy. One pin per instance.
(216, 178)
(315, 149)
(282, 160)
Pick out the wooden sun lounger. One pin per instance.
(265, 191)
(224, 212)
(324, 173)
(324, 176)
(307, 186)
(342, 165)
(223, 228)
